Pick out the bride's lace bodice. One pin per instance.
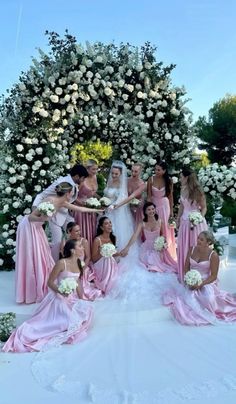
(112, 193)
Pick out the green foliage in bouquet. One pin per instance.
(7, 325)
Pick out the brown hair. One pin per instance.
(195, 191)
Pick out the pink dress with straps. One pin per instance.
(202, 306)
(87, 221)
(162, 203)
(154, 260)
(57, 320)
(187, 237)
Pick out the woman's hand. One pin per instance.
(124, 252)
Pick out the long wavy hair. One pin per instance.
(145, 206)
(100, 231)
(195, 191)
(166, 176)
(67, 253)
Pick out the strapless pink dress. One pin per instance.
(90, 292)
(187, 237)
(163, 210)
(57, 320)
(34, 262)
(105, 273)
(87, 221)
(203, 306)
(152, 259)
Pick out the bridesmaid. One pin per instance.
(59, 318)
(160, 192)
(206, 303)
(105, 268)
(192, 198)
(34, 261)
(90, 292)
(152, 227)
(88, 189)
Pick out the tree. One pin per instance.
(218, 133)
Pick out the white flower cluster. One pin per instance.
(46, 208)
(195, 218)
(160, 243)
(218, 180)
(193, 278)
(93, 203)
(135, 202)
(7, 325)
(108, 250)
(67, 286)
(104, 201)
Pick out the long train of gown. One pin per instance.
(57, 320)
(87, 221)
(187, 237)
(152, 259)
(34, 262)
(203, 306)
(163, 210)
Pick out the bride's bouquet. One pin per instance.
(67, 286)
(46, 208)
(195, 218)
(160, 243)
(108, 250)
(93, 203)
(192, 278)
(104, 201)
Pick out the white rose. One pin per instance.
(5, 234)
(67, 98)
(9, 241)
(8, 190)
(175, 180)
(5, 208)
(168, 136)
(37, 188)
(58, 90)
(24, 167)
(147, 65)
(39, 150)
(19, 147)
(140, 94)
(54, 98)
(1, 261)
(176, 139)
(46, 160)
(19, 190)
(149, 113)
(11, 170)
(12, 180)
(99, 59)
(29, 157)
(18, 219)
(28, 198)
(42, 173)
(107, 91)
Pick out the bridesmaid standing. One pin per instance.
(160, 192)
(192, 198)
(88, 189)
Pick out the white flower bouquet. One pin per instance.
(93, 203)
(104, 201)
(160, 243)
(67, 286)
(108, 250)
(7, 325)
(193, 278)
(135, 202)
(195, 218)
(46, 208)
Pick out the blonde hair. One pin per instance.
(140, 165)
(208, 236)
(90, 163)
(195, 191)
(63, 188)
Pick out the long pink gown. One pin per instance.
(203, 306)
(106, 272)
(162, 203)
(87, 221)
(34, 262)
(154, 260)
(57, 320)
(187, 237)
(137, 211)
(90, 292)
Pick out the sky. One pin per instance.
(199, 36)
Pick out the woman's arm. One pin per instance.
(134, 237)
(149, 189)
(132, 196)
(96, 255)
(171, 200)
(187, 262)
(180, 212)
(87, 254)
(82, 209)
(59, 267)
(79, 290)
(203, 205)
(36, 216)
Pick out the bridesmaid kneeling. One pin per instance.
(204, 303)
(152, 228)
(60, 318)
(105, 268)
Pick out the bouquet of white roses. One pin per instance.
(104, 201)
(135, 202)
(46, 208)
(108, 250)
(172, 223)
(160, 243)
(93, 203)
(193, 278)
(67, 286)
(195, 218)
(7, 325)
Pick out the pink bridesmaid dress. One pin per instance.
(90, 292)
(203, 306)
(34, 262)
(154, 260)
(137, 211)
(57, 320)
(162, 203)
(106, 272)
(87, 221)
(187, 237)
